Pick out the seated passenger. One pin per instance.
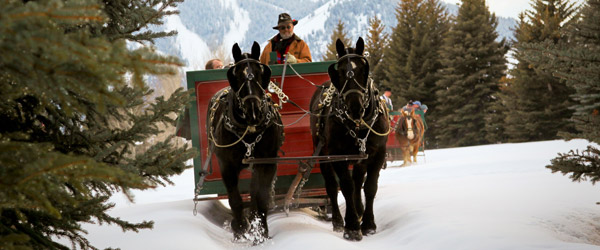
(286, 44)
(214, 64)
(415, 105)
(420, 106)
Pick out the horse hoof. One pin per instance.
(369, 231)
(239, 237)
(338, 225)
(353, 235)
(260, 240)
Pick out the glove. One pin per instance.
(291, 58)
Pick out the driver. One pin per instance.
(286, 44)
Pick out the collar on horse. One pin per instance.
(230, 112)
(365, 90)
(333, 100)
(271, 117)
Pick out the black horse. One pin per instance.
(243, 123)
(348, 118)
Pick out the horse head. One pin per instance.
(350, 76)
(407, 124)
(248, 79)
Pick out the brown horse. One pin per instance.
(409, 133)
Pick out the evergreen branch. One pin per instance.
(148, 19)
(581, 166)
(175, 64)
(33, 175)
(43, 14)
(66, 9)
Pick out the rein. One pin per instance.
(269, 113)
(249, 76)
(366, 93)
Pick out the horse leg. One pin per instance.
(415, 151)
(331, 186)
(352, 226)
(239, 224)
(406, 156)
(262, 178)
(368, 221)
(358, 175)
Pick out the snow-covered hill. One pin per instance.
(208, 29)
(485, 197)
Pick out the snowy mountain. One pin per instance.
(492, 197)
(208, 29)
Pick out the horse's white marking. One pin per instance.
(411, 134)
(353, 65)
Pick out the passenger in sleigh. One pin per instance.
(286, 44)
(416, 106)
(419, 108)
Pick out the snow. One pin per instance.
(238, 27)
(193, 48)
(315, 21)
(484, 197)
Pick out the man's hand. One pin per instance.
(291, 58)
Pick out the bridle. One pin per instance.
(340, 109)
(271, 115)
(249, 78)
(365, 87)
(404, 123)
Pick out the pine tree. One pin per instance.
(576, 61)
(494, 121)
(375, 45)
(338, 32)
(413, 56)
(474, 63)
(537, 100)
(74, 108)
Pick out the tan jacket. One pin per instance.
(298, 48)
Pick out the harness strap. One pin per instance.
(212, 138)
(375, 132)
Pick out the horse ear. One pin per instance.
(237, 52)
(255, 51)
(412, 112)
(333, 74)
(360, 46)
(340, 48)
(266, 75)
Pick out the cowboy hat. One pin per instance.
(285, 18)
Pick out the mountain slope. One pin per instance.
(208, 29)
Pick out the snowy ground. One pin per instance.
(485, 197)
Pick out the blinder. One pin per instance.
(333, 70)
(266, 72)
(350, 76)
(250, 78)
